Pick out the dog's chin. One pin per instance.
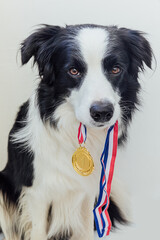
(99, 125)
(96, 125)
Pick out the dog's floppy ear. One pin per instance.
(37, 44)
(137, 46)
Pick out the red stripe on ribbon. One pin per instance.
(114, 153)
(80, 135)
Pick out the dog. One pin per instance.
(89, 74)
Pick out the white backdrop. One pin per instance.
(139, 162)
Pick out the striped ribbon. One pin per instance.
(102, 219)
(82, 133)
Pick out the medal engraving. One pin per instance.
(82, 162)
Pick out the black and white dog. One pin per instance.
(88, 74)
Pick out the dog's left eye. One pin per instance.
(74, 72)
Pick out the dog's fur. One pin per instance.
(41, 196)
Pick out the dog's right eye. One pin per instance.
(115, 70)
(74, 72)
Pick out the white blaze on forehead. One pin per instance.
(95, 86)
(93, 43)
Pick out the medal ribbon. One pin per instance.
(102, 219)
(101, 216)
(82, 133)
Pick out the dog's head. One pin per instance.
(92, 68)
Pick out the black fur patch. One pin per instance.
(55, 51)
(18, 171)
(114, 213)
(61, 237)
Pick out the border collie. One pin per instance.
(89, 74)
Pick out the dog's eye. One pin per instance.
(74, 72)
(116, 70)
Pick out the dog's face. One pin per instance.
(92, 68)
(95, 101)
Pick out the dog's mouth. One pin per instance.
(99, 125)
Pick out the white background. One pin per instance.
(139, 162)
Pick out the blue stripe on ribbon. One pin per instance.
(85, 129)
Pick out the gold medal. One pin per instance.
(82, 162)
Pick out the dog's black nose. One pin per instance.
(102, 111)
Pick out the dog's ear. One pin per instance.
(137, 46)
(37, 46)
